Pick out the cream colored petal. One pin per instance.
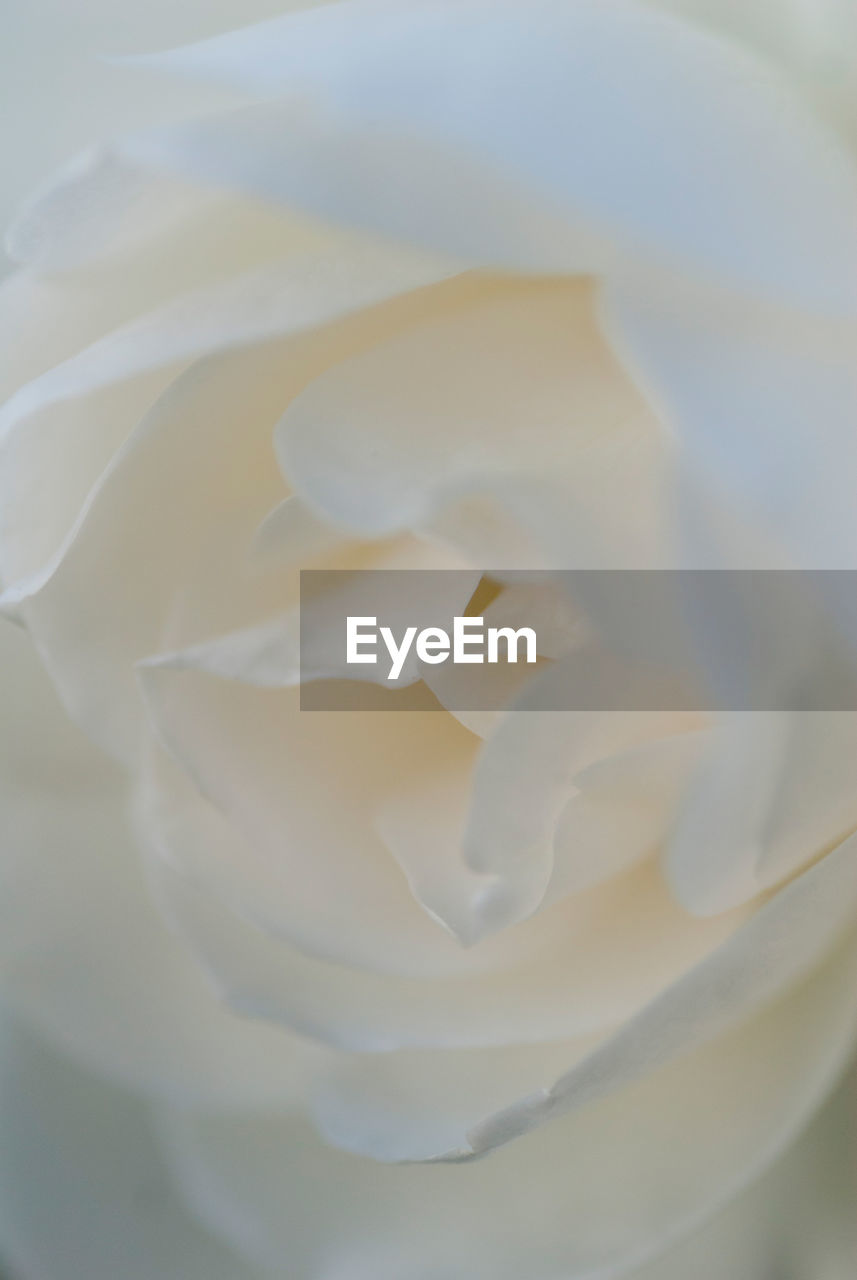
(291, 535)
(197, 468)
(166, 495)
(580, 968)
(651, 136)
(406, 1106)
(623, 808)
(591, 1195)
(407, 584)
(731, 841)
(780, 942)
(84, 954)
(760, 400)
(525, 784)
(301, 789)
(513, 396)
(102, 265)
(83, 409)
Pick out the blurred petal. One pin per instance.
(814, 40)
(62, 93)
(531, 773)
(797, 1221)
(578, 969)
(622, 809)
(332, 888)
(784, 939)
(83, 409)
(308, 640)
(408, 1106)
(590, 1195)
(732, 841)
(531, 408)
(84, 954)
(650, 135)
(762, 403)
(107, 601)
(198, 463)
(84, 1192)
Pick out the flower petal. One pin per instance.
(622, 809)
(579, 969)
(84, 954)
(593, 1194)
(780, 942)
(531, 410)
(800, 1215)
(731, 842)
(408, 1106)
(761, 401)
(84, 1191)
(704, 157)
(83, 409)
(196, 466)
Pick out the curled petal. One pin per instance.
(595, 1194)
(85, 956)
(648, 135)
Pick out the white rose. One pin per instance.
(478, 284)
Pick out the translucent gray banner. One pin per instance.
(623, 640)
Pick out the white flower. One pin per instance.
(463, 285)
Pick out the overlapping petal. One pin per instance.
(640, 133)
(597, 1192)
(85, 955)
